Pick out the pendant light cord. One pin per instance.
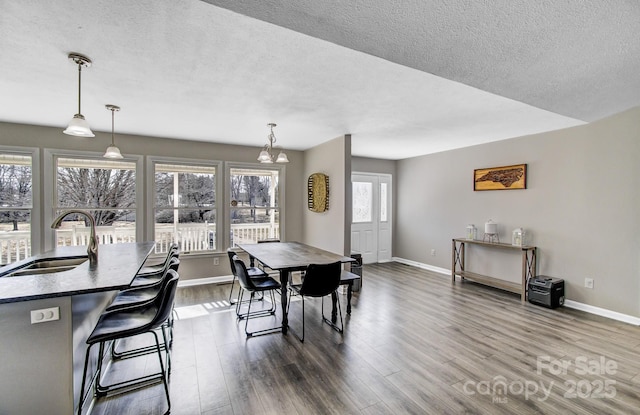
(79, 85)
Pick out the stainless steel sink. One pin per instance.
(48, 266)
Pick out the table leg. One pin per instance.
(349, 294)
(284, 283)
(334, 308)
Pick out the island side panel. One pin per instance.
(36, 363)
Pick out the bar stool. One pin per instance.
(129, 322)
(139, 296)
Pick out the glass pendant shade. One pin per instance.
(79, 127)
(112, 152)
(282, 158)
(265, 157)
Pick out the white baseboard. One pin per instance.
(603, 312)
(428, 267)
(208, 280)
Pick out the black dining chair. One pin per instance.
(253, 286)
(253, 272)
(320, 280)
(129, 322)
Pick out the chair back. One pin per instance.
(243, 275)
(321, 279)
(165, 300)
(232, 254)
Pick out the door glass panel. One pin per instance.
(383, 202)
(362, 201)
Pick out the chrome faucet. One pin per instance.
(92, 248)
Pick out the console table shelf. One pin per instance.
(528, 265)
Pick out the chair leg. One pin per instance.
(255, 314)
(330, 322)
(137, 383)
(84, 380)
(233, 281)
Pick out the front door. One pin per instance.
(371, 218)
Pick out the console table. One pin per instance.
(528, 265)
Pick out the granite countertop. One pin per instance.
(116, 267)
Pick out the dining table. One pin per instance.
(286, 257)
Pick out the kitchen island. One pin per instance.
(42, 356)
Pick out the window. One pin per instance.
(185, 207)
(362, 202)
(16, 204)
(106, 189)
(255, 204)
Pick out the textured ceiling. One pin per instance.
(404, 80)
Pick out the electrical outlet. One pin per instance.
(588, 283)
(45, 314)
(216, 261)
(433, 252)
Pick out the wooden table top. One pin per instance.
(291, 255)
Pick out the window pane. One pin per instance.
(251, 187)
(96, 184)
(15, 181)
(16, 201)
(383, 202)
(362, 201)
(253, 225)
(195, 186)
(75, 229)
(192, 229)
(106, 190)
(15, 235)
(185, 208)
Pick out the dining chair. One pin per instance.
(253, 272)
(253, 286)
(129, 322)
(320, 280)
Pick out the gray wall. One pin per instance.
(330, 230)
(198, 265)
(580, 207)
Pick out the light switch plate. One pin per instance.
(45, 314)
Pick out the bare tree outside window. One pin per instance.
(104, 188)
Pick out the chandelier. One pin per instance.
(266, 155)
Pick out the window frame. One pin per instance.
(151, 196)
(280, 168)
(50, 182)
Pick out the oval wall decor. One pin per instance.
(318, 192)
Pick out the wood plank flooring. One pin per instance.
(414, 344)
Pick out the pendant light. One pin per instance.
(112, 152)
(78, 126)
(266, 155)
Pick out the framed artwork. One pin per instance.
(500, 178)
(318, 192)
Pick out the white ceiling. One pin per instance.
(404, 78)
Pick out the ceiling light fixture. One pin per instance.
(266, 155)
(78, 126)
(112, 152)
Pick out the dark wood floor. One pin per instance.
(414, 344)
